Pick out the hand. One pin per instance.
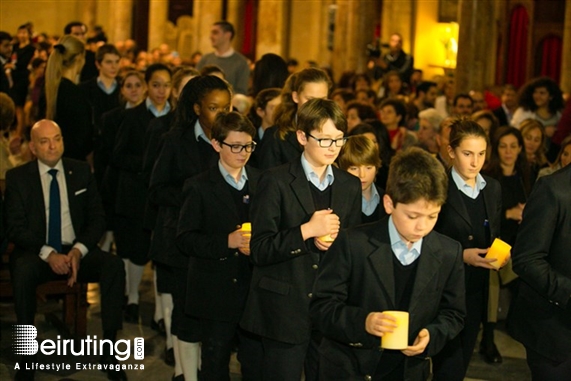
(59, 263)
(378, 323)
(74, 256)
(238, 239)
(321, 245)
(472, 257)
(322, 222)
(419, 344)
(245, 249)
(515, 213)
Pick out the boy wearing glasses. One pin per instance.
(216, 204)
(296, 215)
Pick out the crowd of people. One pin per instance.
(147, 156)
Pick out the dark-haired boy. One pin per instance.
(398, 263)
(298, 204)
(216, 204)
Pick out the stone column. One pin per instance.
(566, 58)
(398, 17)
(354, 29)
(89, 14)
(475, 60)
(121, 14)
(158, 14)
(235, 16)
(271, 33)
(206, 13)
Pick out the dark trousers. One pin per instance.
(452, 362)
(217, 344)
(28, 271)
(544, 369)
(285, 362)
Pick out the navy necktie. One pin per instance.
(54, 224)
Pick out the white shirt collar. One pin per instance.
(467, 189)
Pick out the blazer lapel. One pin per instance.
(300, 187)
(338, 194)
(37, 192)
(381, 260)
(221, 191)
(428, 266)
(70, 182)
(455, 200)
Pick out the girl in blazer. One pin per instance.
(471, 216)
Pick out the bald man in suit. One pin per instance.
(61, 245)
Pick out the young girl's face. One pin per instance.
(532, 141)
(133, 89)
(366, 173)
(160, 87)
(469, 157)
(213, 103)
(508, 150)
(311, 90)
(541, 97)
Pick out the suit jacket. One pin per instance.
(284, 264)
(26, 211)
(356, 277)
(180, 158)
(128, 159)
(454, 222)
(275, 152)
(218, 277)
(501, 115)
(540, 315)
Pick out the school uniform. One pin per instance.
(475, 223)
(373, 210)
(285, 265)
(362, 273)
(274, 151)
(218, 277)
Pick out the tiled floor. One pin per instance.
(513, 368)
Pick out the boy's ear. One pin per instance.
(216, 145)
(301, 138)
(260, 111)
(388, 204)
(97, 65)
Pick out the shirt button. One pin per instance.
(310, 295)
(470, 237)
(236, 254)
(234, 280)
(315, 267)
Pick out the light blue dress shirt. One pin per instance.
(400, 249)
(151, 107)
(467, 189)
(369, 206)
(199, 133)
(313, 178)
(107, 91)
(231, 180)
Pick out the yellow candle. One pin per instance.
(398, 339)
(247, 228)
(499, 251)
(326, 238)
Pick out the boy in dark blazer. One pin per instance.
(398, 263)
(298, 211)
(216, 204)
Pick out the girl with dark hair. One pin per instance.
(471, 216)
(540, 99)
(280, 145)
(270, 71)
(186, 151)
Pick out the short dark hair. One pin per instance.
(106, 49)
(359, 150)
(315, 112)
(153, 68)
(226, 27)
(462, 128)
(398, 106)
(364, 110)
(462, 96)
(5, 36)
(425, 87)
(67, 28)
(415, 174)
(227, 122)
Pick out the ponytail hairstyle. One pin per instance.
(64, 55)
(193, 93)
(285, 112)
(462, 128)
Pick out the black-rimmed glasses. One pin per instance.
(237, 148)
(326, 143)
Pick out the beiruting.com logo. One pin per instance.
(25, 343)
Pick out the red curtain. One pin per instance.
(249, 42)
(517, 47)
(551, 50)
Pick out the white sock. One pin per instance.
(167, 303)
(126, 262)
(135, 276)
(177, 362)
(158, 300)
(106, 241)
(189, 355)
